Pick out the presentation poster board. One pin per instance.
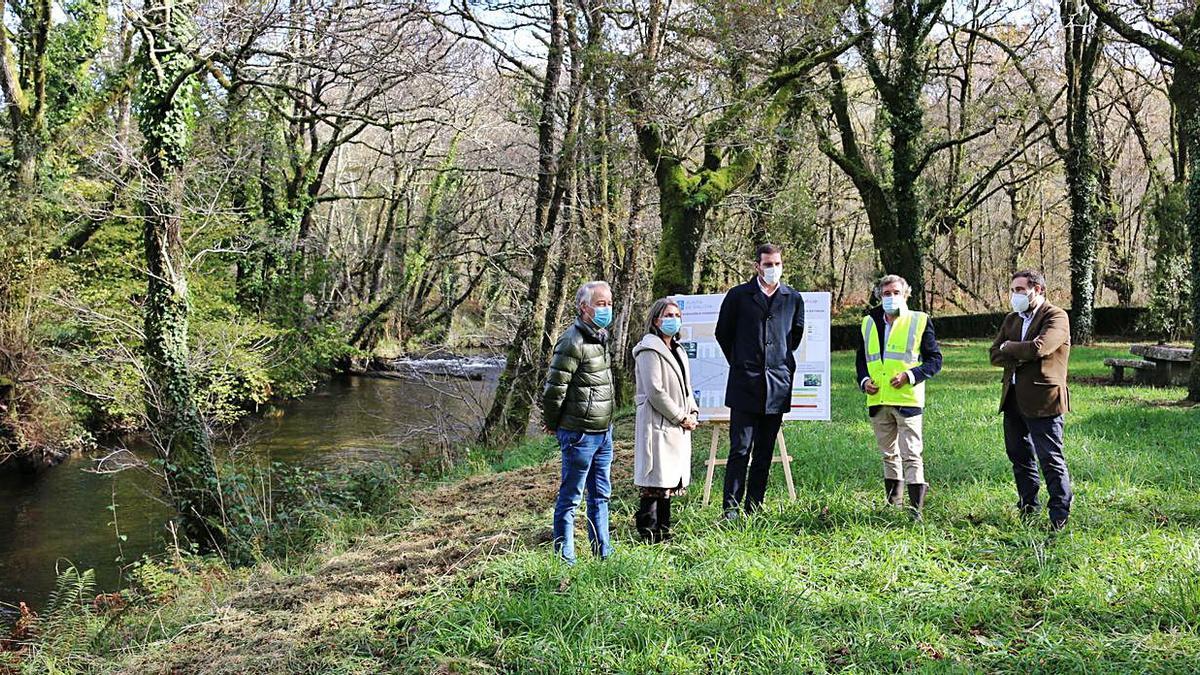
(810, 387)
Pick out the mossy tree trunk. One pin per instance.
(894, 206)
(1190, 112)
(685, 200)
(165, 106)
(511, 407)
(900, 93)
(877, 200)
(688, 196)
(564, 206)
(1184, 90)
(23, 73)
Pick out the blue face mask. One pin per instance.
(602, 316)
(670, 325)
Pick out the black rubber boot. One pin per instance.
(895, 496)
(916, 498)
(646, 519)
(664, 518)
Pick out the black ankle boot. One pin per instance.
(646, 519)
(664, 518)
(894, 493)
(916, 498)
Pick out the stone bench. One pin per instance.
(1172, 364)
(1119, 366)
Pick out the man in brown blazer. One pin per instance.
(1033, 347)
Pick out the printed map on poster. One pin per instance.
(810, 388)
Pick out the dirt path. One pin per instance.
(273, 625)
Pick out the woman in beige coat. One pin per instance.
(666, 416)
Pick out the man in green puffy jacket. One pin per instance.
(577, 407)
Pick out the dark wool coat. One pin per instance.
(758, 335)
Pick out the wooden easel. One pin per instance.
(713, 462)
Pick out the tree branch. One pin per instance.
(10, 78)
(950, 143)
(1043, 107)
(957, 282)
(1159, 48)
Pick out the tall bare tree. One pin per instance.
(1175, 41)
(510, 411)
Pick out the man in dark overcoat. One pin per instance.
(760, 326)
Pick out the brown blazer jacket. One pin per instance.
(1039, 361)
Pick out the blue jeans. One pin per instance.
(586, 460)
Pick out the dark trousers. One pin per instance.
(1031, 441)
(653, 518)
(751, 441)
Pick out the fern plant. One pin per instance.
(72, 593)
(64, 631)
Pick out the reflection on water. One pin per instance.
(64, 515)
(370, 419)
(71, 514)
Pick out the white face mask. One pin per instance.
(772, 275)
(892, 304)
(1020, 302)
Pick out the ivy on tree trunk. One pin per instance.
(166, 105)
(1191, 119)
(1084, 38)
(895, 212)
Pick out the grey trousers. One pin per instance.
(1030, 441)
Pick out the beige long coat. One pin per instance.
(663, 449)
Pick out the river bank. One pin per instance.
(267, 616)
(86, 513)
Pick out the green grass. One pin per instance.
(833, 581)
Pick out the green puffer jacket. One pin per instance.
(579, 386)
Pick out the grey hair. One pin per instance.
(660, 305)
(586, 291)
(891, 279)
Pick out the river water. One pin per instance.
(73, 515)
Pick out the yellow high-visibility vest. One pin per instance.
(901, 353)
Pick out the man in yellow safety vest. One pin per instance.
(897, 353)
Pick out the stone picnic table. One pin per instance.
(1160, 365)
